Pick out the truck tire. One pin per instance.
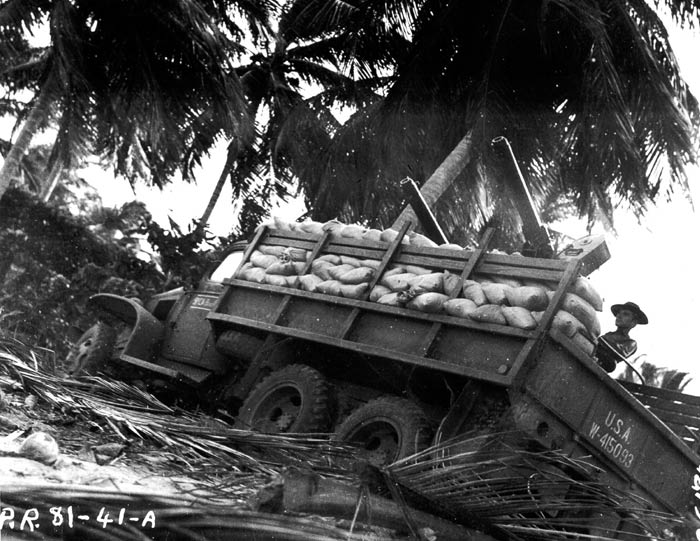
(387, 428)
(92, 351)
(295, 398)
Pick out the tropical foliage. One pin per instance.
(589, 94)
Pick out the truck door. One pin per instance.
(188, 335)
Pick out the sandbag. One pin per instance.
(395, 269)
(331, 258)
(422, 241)
(371, 263)
(415, 269)
(334, 228)
(353, 231)
(517, 316)
(321, 268)
(374, 235)
(388, 235)
(495, 293)
(584, 289)
(299, 266)
(349, 260)
(532, 298)
(398, 282)
(261, 260)
(310, 226)
(511, 282)
(277, 251)
(357, 276)
(488, 313)
(275, 280)
(582, 311)
(254, 274)
(392, 299)
(309, 282)
(426, 283)
(282, 224)
(354, 291)
(243, 269)
(472, 290)
(329, 287)
(567, 324)
(281, 269)
(451, 284)
(378, 292)
(459, 307)
(295, 254)
(451, 246)
(338, 270)
(430, 303)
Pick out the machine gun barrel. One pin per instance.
(538, 243)
(427, 219)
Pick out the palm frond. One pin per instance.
(498, 482)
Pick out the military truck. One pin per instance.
(394, 380)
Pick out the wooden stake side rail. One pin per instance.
(545, 270)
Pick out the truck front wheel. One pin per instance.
(295, 398)
(387, 428)
(92, 351)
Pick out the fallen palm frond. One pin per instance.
(200, 442)
(45, 511)
(495, 482)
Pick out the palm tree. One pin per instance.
(147, 85)
(589, 94)
(339, 57)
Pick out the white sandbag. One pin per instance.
(488, 313)
(582, 311)
(349, 260)
(426, 283)
(459, 307)
(473, 291)
(415, 269)
(495, 293)
(532, 298)
(373, 235)
(371, 263)
(321, 268)
(261, 260)
(378, 292)
(353, 231)
(388, 235)
(357, 276)
(310, 226)
(430, 303)
(451, 246)
(451, 284)
(254, 274)
(308, 282)
(338, 270)
(281, 269)
(331, 258)
(354, 291)
(398, 282)
(392, 299)
(584, 289)
(422, 241)
(329, 287)
(519, 317)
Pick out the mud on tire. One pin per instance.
(295, 398)
(92, 352)
(387, 429)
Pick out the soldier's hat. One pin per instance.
(632, 307)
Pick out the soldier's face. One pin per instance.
(625, 319)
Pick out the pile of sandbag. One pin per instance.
(338, 230)
(484, 298)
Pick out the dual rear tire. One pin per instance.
(297, 399)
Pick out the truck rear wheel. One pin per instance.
(92, 351)
(387, 428)
(295, 398)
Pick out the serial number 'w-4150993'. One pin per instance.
(613, 436)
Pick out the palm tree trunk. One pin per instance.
(231, 157)
(441, 179)
(39, 112)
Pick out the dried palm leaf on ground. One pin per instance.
(199, 441)
(496, 482)
(46, 512)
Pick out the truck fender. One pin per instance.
(146, 330)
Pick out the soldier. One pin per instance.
(618, 342)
